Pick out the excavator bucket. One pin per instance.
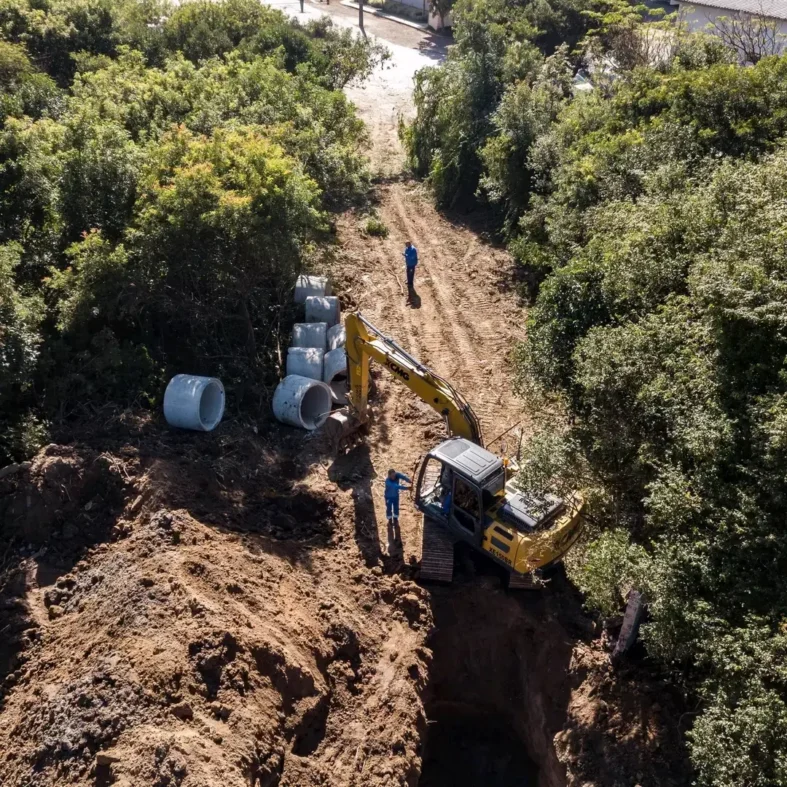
(340, 428)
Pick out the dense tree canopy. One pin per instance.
(165, 173)
(650, 217)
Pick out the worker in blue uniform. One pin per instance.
(410, 261)
(392, 489)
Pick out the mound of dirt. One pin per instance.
(181, 653)
(623, 724)
(66, 494)
(288, 650)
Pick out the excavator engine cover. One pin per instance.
(529, 513)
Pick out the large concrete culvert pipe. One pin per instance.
(306, 286)
(193, 402)
(299, 401)
(326, 309)
(335, 374)
(305, 361)
(337, 337)
(309, 334)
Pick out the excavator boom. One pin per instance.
(365, 342)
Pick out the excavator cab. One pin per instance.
(465, 495)
(457, 483)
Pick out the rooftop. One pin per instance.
(775, 9)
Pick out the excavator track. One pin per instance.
(437, 553)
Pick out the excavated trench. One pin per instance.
(467, 747)
(499, 687)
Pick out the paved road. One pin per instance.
(387, 95)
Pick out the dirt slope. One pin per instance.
(183, 653)
(462, 320)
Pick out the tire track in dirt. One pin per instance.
(464, 328)
(439, 317)
(467, 319)
(463, 317)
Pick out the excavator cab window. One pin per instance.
(434, 486)
(466, 504)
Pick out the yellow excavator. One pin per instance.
(465, 492)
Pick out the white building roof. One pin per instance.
(775, 9)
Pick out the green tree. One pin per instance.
(21, 316)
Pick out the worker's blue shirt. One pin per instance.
(392, 487)
(411, 257)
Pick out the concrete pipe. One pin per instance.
(305, 361)
(299, 401)
(337, 337)
(309, 334)
(335, 374)
(192, 402)
(323, 309)
(307, 286)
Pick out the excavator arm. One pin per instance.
(365, 342)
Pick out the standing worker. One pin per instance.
(392, 488)
(410, 261)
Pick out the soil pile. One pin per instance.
(257, 633)
(178, 652)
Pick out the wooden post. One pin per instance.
(631, 620)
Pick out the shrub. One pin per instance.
(156, 208)
(375, 227)
(21, 317)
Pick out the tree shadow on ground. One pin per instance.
(435, 46)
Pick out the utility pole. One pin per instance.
(360, 16)
(301, 6)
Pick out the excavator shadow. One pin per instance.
(354, 471)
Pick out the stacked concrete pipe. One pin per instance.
(307, 286)
(335, 374)
(306, 362)
(323, 309)
(337, 337)
(301, 401)
(305, 396)
(310, 334)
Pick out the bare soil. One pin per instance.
(222, 609)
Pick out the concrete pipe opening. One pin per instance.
(302, 402)
(325, 309)
(309, 334)
(337, 337)
(306, 286)
(305, 361)
(335, 374)
(194, 402)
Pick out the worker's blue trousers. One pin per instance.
(410, 276)
(392, 507)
